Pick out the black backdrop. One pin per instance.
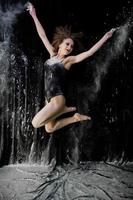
(109, 135)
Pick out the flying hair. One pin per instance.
(65, 32)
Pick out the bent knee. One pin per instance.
(35, 123)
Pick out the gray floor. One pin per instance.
(88, 181)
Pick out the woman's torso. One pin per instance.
(55, 77)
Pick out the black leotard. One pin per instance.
(55, 75)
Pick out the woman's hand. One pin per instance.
(110, 33)
(31, 9)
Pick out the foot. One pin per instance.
(69, 109)
(78, 117)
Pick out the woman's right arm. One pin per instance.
(40, 29)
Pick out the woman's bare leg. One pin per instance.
(52, 110)
(63, 111)
(56, 125)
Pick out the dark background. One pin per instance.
(103, 138)
(93, 18)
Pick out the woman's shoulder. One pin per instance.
(52, 60)
(69, 59)
(68, 62)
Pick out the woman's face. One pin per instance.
(66, 46)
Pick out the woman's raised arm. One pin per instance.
(82, 56)
(40, 29)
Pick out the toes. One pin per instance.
(79, 117)
(71, 109)
(89, 118)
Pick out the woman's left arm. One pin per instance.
(82, 56)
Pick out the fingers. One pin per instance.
(117, 28)
(113, 30)
(29, 7)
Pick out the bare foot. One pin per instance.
(78, 117)
(68, 109)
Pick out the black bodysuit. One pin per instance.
(55, 77)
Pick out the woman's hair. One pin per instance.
(65, 32)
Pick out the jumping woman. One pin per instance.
(56, 68)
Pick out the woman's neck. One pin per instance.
(61, 57)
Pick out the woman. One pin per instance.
(56, 68)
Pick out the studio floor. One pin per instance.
(87, 181)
